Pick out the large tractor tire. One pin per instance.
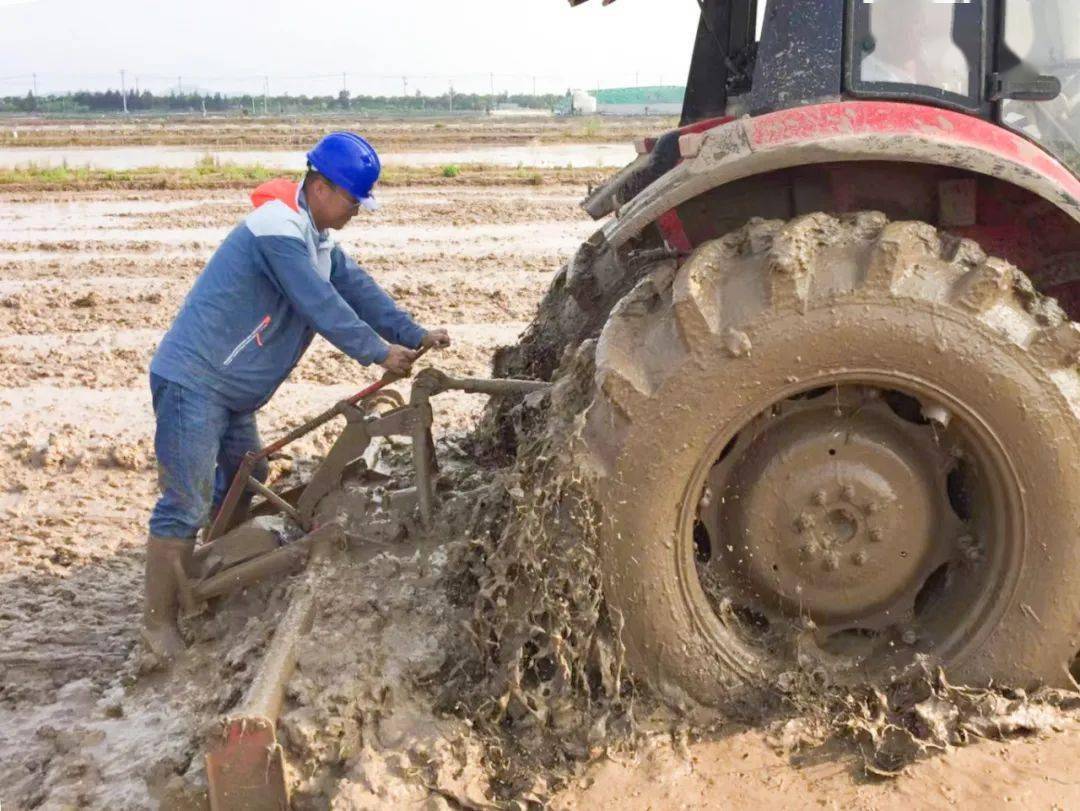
(837, 448)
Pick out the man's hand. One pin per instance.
(399, 360)
(437, 338)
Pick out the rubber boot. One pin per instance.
(168, 561)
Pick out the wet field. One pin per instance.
(89, 281)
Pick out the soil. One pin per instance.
(389, 134)
(88, 283)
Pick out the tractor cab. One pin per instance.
(1012, 62)
(1016, 62)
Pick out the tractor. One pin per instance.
(831, 420)
(835, 425)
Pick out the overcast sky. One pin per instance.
(229, 45)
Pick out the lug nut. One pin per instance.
(820, 498)
(848, 492)
(969, 547)
(831, 563)
(804, 522)
(909, 637)
(860, 558)
(877, 535)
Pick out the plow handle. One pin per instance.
(240, 480)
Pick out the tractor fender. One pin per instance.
(843, 131)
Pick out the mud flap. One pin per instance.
(245, 767)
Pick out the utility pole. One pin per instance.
(451, 97)
(345, 83)
(404, 85)
(179, 87)
(35, 85)
(136, 85)
(123, 90)
(534, 85)
(266, 95)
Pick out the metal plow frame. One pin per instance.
(245, 764)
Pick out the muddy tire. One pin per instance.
(937, 348)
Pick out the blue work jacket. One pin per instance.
(272, 284)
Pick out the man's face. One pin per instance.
(332, 206)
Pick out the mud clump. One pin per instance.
(59, 451)
(549, 682)
(898, 725)
(474, 665)
(91, 299)
(127, 456)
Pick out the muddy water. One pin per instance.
(543, 155)
(106, 225)
(75, 458)
(89, 283)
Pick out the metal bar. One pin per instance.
(496, 388)
(245, 765)
(232, 497)
(265, 694)
(430, 382)
(422, 461)
(239, 482)
(277, 500)
(252, 571)
(350, 444)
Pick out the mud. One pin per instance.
(388, 134)
(539, 155)
(80, 321)
(476, 668)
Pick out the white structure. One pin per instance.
(516, 111)
(582, 103)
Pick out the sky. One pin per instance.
(231, 45)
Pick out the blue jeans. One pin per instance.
(199, 444)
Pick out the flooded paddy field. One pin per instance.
(89, 281)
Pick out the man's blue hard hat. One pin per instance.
(347, 160)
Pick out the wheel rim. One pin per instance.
(867, 519)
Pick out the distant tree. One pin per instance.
(111, 101)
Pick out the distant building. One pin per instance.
(581, 103)
(657, 100)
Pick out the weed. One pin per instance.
(451, 170)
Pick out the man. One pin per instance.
(276, 280)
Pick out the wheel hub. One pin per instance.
(837, 510)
